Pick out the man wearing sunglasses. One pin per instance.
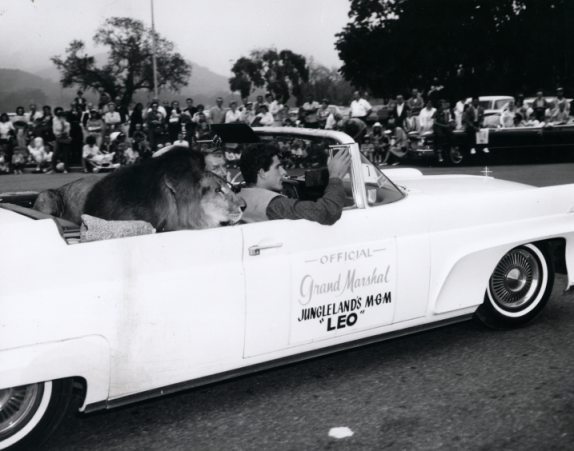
(263, 172)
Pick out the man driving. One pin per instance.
(263, 172)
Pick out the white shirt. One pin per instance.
(360, 108)
(230, 116)
(400, 109)
(425, 119)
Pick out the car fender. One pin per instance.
(468, 273)
(87, 357)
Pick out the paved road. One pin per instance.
(459, 387)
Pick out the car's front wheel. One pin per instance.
(518, 288)
(30, 413)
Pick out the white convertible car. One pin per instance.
(138, 317)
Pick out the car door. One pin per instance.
(306, 282)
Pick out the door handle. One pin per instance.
(256, 250)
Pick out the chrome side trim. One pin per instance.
(117, 402)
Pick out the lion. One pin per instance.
(67, 201)
(171, 192)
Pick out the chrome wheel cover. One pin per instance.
(516, 279)
(17, 406)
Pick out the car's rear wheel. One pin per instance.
(518, 288)
(30, 413)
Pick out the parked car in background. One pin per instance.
(551, 140)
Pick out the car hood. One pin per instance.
(457, 185)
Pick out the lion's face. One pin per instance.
(220, 205)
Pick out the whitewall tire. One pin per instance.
(30, 413)
(518, 288)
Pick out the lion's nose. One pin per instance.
(244, 206)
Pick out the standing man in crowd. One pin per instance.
(561, 99)
(217, 112)
(264, 173)
(472, 122)
(155, 123)
(416, 102)
(443, 125)
(309, 110)
(360, 108)
(399, 113)
(539, 106)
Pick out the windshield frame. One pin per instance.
(359, 188)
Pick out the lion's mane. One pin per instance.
(164, 191)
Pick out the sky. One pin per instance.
(211, 33)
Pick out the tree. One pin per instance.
(129, 67)
(328, 83)
(469, 47)
(280, 73)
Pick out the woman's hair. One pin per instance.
(255, 157)
(58, 110)
(94, 114)
(264, 106)
(4, 117)
(138, 107)
(91, 140)
(20, 108)
(200, 106)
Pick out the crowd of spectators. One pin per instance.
(108, 135)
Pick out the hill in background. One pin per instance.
(40, 85)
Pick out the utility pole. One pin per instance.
(155, 94)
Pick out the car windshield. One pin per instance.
(484, 104)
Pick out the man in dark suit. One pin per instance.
(443, 125)
(399, 112)
(472, 122)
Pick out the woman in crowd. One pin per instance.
(93, 126)
(507, 116)
(264, 118)
(233, 115)
(247, 115)
(61, 130)
(425, 118)
(20, 122)
(136, 118)
(173, 124)
(90, 152)
(43, 126)
(203, 130)
(112, 119)
(40, 154)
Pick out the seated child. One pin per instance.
(368, 148)
(40, 153)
